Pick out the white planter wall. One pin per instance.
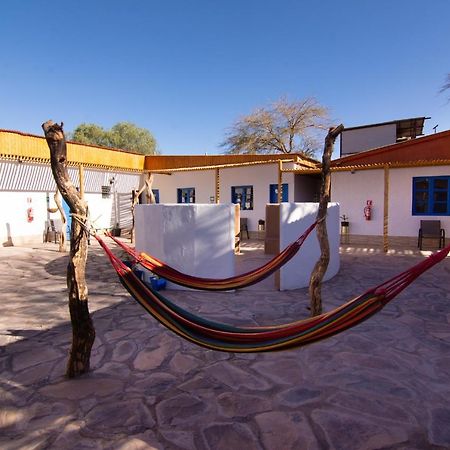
(193, 238)
(295, 218)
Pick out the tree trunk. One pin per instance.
(315, 286)
(83, 333)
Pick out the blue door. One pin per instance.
(156, 194)
(68, 217)
(273, 195)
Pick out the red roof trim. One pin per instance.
(401, 146)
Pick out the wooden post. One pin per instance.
(83, 332)
(217, 186)
(280, 182)
(315, 287)
(147, 187)
(386, 210)
(81, 179)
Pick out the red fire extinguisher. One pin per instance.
(30, 212)
(368, 210)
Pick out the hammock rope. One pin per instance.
(215, 284)
(218, 336)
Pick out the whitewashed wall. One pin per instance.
(258, 176)
(352, 190)
(13, 217)
(196, 239)
(401, 220)
(21, 181)
(202, 180)
(295, 218)
(360, 139)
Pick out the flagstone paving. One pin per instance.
(385, 384)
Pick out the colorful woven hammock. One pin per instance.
(216, 284)
(218, 336)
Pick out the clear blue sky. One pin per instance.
(186, 70)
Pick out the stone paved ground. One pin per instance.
(382, 385)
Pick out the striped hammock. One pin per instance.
(222, 337)
(216, 284)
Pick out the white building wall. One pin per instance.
(352, 190)
(14, 225)
(24, 186)
(202, 180)
(401, 220)
(360, 139)
(258, 176)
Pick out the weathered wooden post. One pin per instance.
(83, 332)
(315, 287)
(147, 187)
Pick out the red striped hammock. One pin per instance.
(222, 337)
(216, 284)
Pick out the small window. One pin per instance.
(273, 193)
(242, 195)
(431, 196)
(106, 191)
(156, 194)
(186, 195)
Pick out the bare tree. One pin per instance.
(282, 127)
(83, 332)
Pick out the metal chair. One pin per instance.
(53, 229)
(431, 229)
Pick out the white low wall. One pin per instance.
(197, 239)
(295, 218)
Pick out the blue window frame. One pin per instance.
(242, 195)
(431, 196)
(156, 194)
(273, 193)
(186, 195)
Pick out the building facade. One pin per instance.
(399, 184)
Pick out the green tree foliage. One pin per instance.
(282, 127)
(123, 135)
